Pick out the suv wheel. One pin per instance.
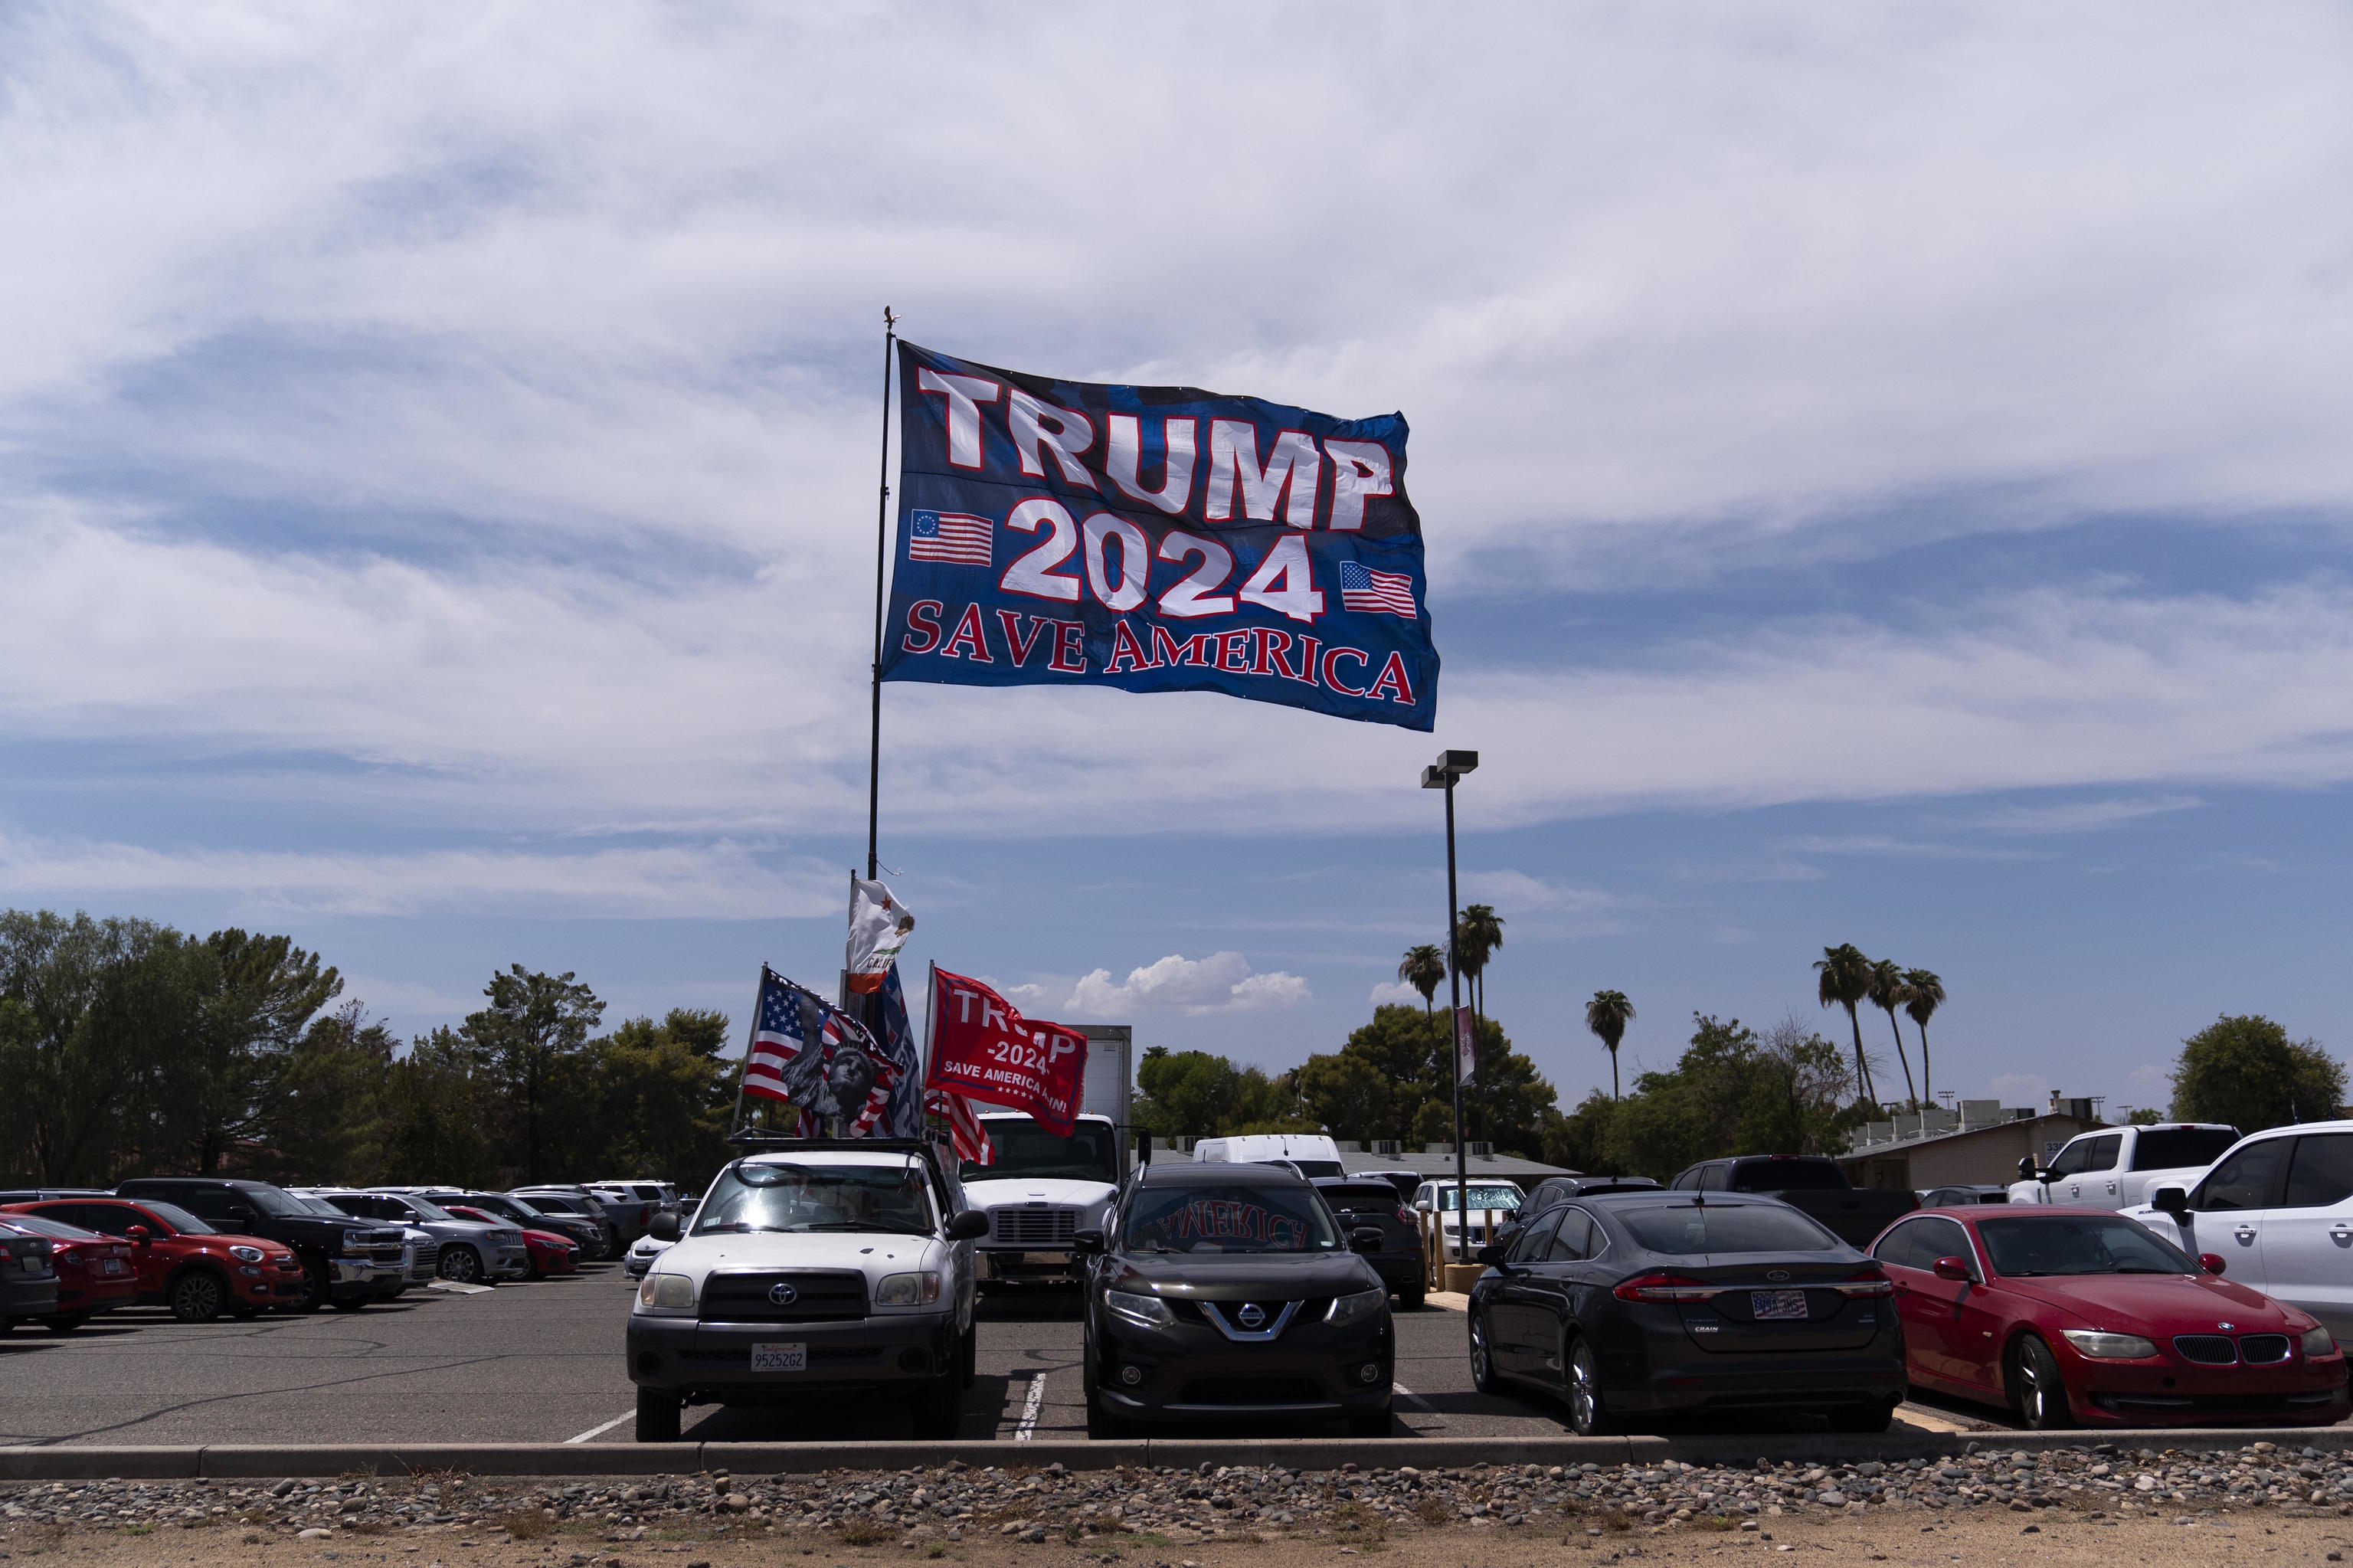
(197, 1297)
(461, 1264)
(657, 1415)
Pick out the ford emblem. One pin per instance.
(783, 1294)
(1777, 1275)
(1252, 1315)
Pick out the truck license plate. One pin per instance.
(1776, 1306)
(780, 1357)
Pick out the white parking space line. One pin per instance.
(1029, 1425)
(598, 1431)
(1409, 1396)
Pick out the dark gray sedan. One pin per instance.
(1634, 1304)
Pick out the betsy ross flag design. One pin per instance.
(1381, 593)
(955, 537)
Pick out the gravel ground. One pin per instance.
(945, 1510)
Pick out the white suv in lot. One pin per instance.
(2278, 1209)
(814, 1266)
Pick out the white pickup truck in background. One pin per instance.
(2119, 1166)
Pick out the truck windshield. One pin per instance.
(1022, 1148)
(775, 1196)
(1787, 1176)
(2180, 1147)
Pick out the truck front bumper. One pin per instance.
(707, 1361)
(1005, 1267)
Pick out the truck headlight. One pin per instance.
(1349, 1308)
(245, 1254)
(2318, 1342)
(2109, 1347)
(907, 1290)
(1144, 1311)
(666, 1293)
(355, 1241)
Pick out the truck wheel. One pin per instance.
(316, 1285)
(197, 1297)
(939, 1406)
(657, 1416)
(461, 1264)
(968, 1367)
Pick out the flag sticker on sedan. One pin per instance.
(1778, 1306)
(776, 1357)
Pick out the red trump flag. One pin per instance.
(985, 1050)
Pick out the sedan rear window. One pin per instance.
(1684, 1229)
(1379, 1196)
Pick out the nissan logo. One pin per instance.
(1777, 1275)
(783, 1294)
(1252, 1315)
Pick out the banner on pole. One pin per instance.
(983, 1049)
(1466, 1047)
(1155, 539)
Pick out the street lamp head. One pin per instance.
(1449, 768)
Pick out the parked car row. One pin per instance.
(208, 1246)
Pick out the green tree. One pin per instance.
(1198, 1094)
(1479, 932)
(1887, 994)
(664, 1096)
(323, 1117)
(1844, 979)
(1424, 969)
(1348, 1097)
(260, 993)
(2244, 1069)
(2145, 1116)
(1923, 994)
(1607, 1015)
(440, 1113)
(526, 1038)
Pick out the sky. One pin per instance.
(1883, 475)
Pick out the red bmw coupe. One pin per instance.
(2081, 1315)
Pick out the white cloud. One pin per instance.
(1222, 983)
(2083, 816)
(1394, 990)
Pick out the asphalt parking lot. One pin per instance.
(542, 1362)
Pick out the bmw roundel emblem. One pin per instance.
(783, 1294)
(2226, 1326)
(1252, 1315)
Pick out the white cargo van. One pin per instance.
(1311, 1153)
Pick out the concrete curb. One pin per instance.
(259, 1461)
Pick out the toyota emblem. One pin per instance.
(783, 1294)
(1777, 1275)
(1252, 1315)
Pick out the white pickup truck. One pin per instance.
(2119, 1166)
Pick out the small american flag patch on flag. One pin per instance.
(950, 536)
(1380, 593)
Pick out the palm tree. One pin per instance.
(1888, 995)
(1846, 980)
(1607, 1015)
(1923, 994)
(1424, 969)
(1479, 934)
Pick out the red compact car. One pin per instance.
(547, 1251)
(182, 1262)
(2082, 1315)
(94, 1272)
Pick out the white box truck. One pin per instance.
(1041, 1190)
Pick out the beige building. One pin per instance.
(1968, 1149)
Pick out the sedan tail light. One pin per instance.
(1664, 1287)
(1869, 1282)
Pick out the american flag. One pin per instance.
(964, 1129)
(777, 1039)
(952, 536)
(1381, 593)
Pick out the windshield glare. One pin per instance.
(890, 1199)
(1481, 1197)
(1227, 1219)
(1022, 1148)
(433, 1212)
(2024, 1248)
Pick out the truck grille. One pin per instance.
(814, 1298)
(429, 1261)
(1032, 1225)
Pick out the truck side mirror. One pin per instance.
(2172, 1200)
(2026, 1168)
(663, 1228)
(970, 1226)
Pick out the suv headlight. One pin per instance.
(666, 1293)
(1144, 1311)
(245, 1254)
(908, 1289)
(1349, 1308)
(2109, 1347)
(2318, 1342)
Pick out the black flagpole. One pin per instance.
(881, 556)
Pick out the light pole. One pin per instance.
(1444, 774)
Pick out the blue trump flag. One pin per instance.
(1156, 539)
